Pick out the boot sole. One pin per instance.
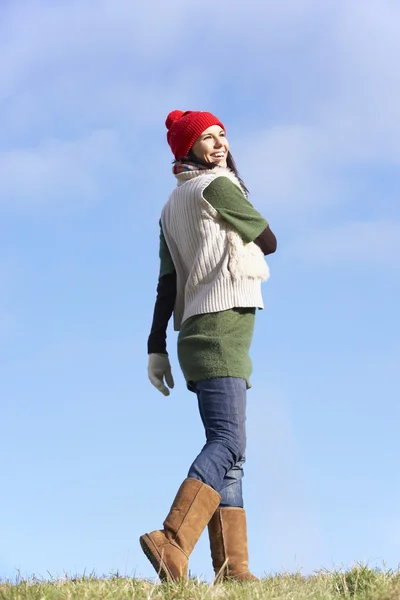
(155, 558)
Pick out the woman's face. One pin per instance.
(212, 146)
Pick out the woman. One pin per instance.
(212, 247)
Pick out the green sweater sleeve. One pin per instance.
(167, 266)
(233, 206)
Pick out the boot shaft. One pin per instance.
(193, 507)
(168, 549)
(228, 543)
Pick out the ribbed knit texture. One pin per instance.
(185, 127)
(215, 270)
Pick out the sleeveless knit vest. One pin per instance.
(215, 269)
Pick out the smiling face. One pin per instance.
(212, 146)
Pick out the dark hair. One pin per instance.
(230, 163)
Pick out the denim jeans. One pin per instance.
(222, 406)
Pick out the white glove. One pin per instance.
(159, 368)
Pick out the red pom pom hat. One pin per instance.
(185, 127)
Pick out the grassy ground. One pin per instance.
(358, 583)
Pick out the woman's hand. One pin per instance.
(158, 369)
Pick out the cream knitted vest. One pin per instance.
(215, 270)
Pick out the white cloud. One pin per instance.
(85, 61)
(369, 243)
(59, 169)
(287, 168)
(312, 91)
(46, 35)
(352, 121)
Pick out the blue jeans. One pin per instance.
(222, 406)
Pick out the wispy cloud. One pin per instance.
(322, 81)
(57, 169)
(342, 116)
(73, 65)
(288, 169)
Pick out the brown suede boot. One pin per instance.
(168, 549)
(228, 542)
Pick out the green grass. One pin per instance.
(361, 582)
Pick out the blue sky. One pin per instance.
(91, 454)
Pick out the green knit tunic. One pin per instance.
(218, 344)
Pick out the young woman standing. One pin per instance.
(212, 247)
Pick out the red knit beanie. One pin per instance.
(185, 127)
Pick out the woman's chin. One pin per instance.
(221, 162)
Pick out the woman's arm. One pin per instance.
(165, 301)
(163, 309)
(159, 368)
(266, 241)
(233, 206)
